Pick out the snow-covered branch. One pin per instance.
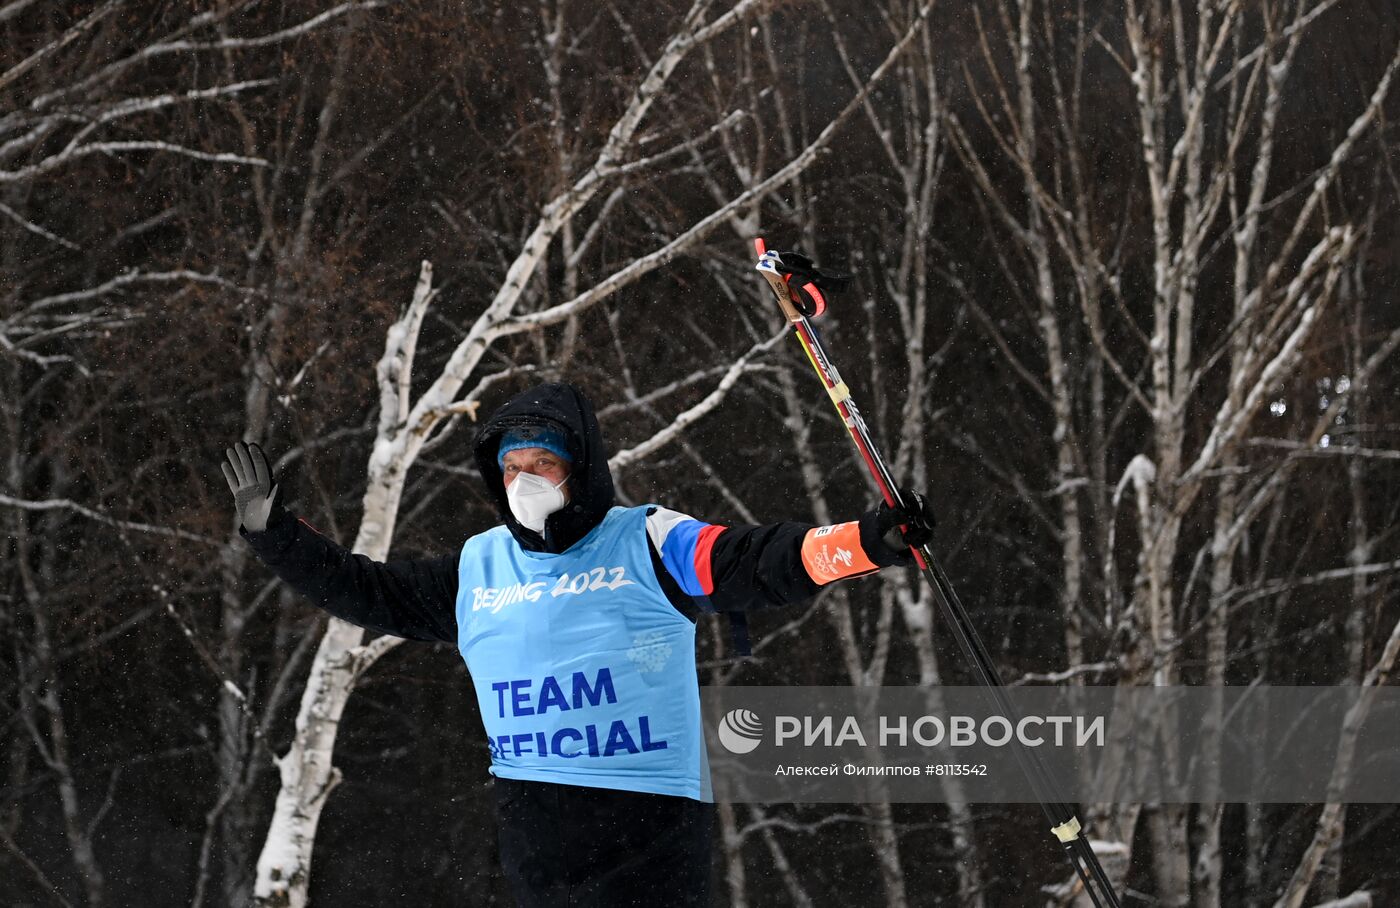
(119, 282)
(1244, 596)
(108, 74)
(53, 504)
(36, 229)
(1302, 449)
(70, 34)
(395, 368)
(620, 461)
(490, 325)
(1328, 174)
(80, 151)
(286, 34)
(647, 263)
(1231, 422)
(133, 106)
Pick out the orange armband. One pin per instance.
(834, 552)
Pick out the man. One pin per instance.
(572, 617)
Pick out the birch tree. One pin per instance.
(1205, 84)
(113, 86)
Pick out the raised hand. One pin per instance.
(250, 481)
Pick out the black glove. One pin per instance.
(916, 517)
(250, 481)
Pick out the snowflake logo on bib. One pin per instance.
(650, 652)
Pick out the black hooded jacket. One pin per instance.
(750, 566)
(562, 407)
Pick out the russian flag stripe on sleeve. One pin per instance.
(685, 545)
(704, 545)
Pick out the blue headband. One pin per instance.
(551, 440)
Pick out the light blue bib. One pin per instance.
(584, 670)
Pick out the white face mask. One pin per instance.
(533, 498)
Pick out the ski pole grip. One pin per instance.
(779, 269)
(777, 282)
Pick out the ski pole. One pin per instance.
(779, 270)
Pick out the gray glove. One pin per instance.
(250, 481)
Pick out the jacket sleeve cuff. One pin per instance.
(272, 543)
(875, 548)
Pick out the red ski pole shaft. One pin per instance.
(836, 389)
(1064, 824)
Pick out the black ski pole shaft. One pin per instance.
(1064, 824)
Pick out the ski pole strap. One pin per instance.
(795, 264)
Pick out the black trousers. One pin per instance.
(567, 846)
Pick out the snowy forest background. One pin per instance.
(1124, 293)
